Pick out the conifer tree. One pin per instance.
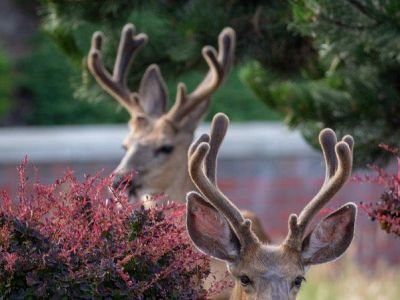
(354, 87)
(177, 31)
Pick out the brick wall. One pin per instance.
(275, 188)
(272, 185)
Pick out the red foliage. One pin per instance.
(80, 240)
(386, 210)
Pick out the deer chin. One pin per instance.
(138, 193)
(133, 191)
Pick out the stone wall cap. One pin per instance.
(90, 143)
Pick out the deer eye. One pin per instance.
(298, 281)
(244, 280)
(164, 149)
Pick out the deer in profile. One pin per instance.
(157, 143)
(264, 271)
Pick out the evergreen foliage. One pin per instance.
(354, 86)
(6, 83)
(46, 79)
(177, 31)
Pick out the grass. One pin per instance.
(346, 280)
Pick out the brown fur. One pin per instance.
(260, 270)
(153, 129)
(256, 226)
(151, 126)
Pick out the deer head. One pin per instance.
(263, 271)
(157, 144)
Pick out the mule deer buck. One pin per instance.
(260, 270)
(158, 141)
(157, 144)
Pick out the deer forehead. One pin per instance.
(152, 132)
(268, 260)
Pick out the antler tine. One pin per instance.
(204, 138)
(219, 127)
(219, 63)
(115, 85)
(338, 160)
(128, 45)
(207, 187)
(328, 140)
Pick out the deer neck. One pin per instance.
(237, 293)
(180, 186)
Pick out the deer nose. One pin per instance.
(121, 181)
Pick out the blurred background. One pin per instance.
(300, 66)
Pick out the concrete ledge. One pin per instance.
(103, 142)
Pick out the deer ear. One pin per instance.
(153, 95)
(209, 229)
(331, 237)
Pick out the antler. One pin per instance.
(202, 169)
(219, 64)
(115, 85)
(338, 162)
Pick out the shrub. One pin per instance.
(76, 239)
(386, 210)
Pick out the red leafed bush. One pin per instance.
(73, 239)
(386, 210)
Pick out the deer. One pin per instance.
(157, 143)
(262, 270)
